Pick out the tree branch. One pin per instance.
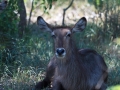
(64, 11)
(32, 7)
(23, 21)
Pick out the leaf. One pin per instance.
(50, 6)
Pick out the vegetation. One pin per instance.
(23, 58)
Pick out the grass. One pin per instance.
(32, 55)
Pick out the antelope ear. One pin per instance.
(42, 24)
(80, 25)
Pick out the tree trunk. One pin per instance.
(22, 22)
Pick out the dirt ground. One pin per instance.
(55, 14)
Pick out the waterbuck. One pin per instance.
(71, 68)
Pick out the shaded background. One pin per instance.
(25, 51)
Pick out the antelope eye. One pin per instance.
(53, 36)
(68, 34)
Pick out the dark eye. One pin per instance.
(69, 35)
(53, 36)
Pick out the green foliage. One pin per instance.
(8, 33)
(100, 4)
(97, 3)
(109, 21)
(8, 23)
(44, 4)
(117, 87)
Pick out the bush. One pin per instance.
(8, 34)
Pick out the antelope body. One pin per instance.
(71, 68)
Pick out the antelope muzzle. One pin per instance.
(60, 52)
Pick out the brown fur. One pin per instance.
(81, 69)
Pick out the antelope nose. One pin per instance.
(60, 51)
